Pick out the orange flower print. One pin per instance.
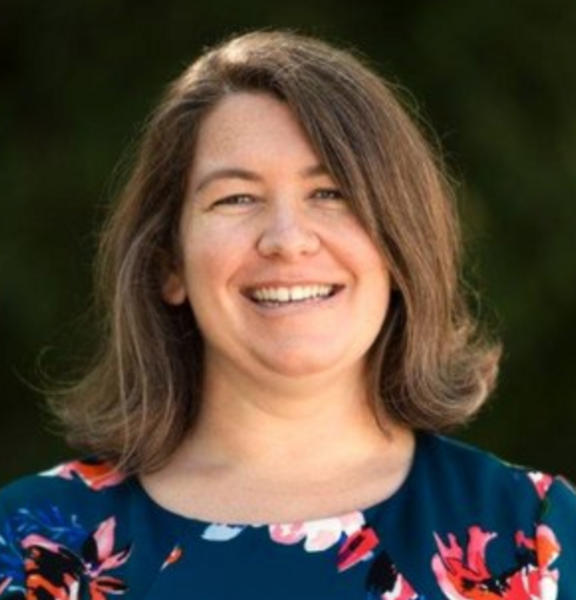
(97, 475)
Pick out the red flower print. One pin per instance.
(463, 574)
(53, 569)
(356, 548)
(96, 474)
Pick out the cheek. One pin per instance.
(202, 258)
(211, 262)
(362, 252)
(373, 272)
(203, 269)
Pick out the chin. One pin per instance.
(302, 364)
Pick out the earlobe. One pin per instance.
(173, 289)
(172, 285)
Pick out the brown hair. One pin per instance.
(428, 367)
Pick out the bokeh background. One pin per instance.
(496, 79)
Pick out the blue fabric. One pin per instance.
(464, 525)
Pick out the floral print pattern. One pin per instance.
(217, 532)
(174, 556)
(4, 583)
(541, 481)
(357, 547)
(318, 535)
(57, 570)
(47, 553)
(386, 583)
(463, 572)
(97, 475)
(53, 568)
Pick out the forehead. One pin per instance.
(248, 127)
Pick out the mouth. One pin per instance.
(290, 295)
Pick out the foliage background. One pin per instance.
(496, 78)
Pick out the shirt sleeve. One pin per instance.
(556, 542)
(11, 559)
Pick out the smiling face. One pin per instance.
(281, 276)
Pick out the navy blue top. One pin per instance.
(464, 525)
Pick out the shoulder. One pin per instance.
(57, 520)
(474, 467)
(556, 532)
(80, 491)
(78, 478)
(489, 508)
(474, 481)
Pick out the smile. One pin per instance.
(292, 294)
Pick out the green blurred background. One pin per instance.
(496, 78)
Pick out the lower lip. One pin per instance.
(277, 308)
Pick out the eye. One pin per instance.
(328, 194)
(234, 200)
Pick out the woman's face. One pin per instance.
(280, 275)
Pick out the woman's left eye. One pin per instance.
(328, 194)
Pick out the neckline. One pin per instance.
(369, 512)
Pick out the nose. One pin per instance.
(287, 234)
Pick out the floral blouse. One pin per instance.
(463, 526)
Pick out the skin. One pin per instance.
(285, 407)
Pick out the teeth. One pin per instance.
(297, 293)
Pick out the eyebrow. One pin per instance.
(247, 175)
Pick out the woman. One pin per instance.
(285, 338)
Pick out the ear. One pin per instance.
(172, 285)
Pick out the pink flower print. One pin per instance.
(289, 533)
(454, 570)
(541, 481)
(4, 583)
(318, 535)
(97, 475)
(463, 574)
(402, 591)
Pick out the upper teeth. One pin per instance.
(291, 294)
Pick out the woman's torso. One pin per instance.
(462, 525)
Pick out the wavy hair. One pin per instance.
(429, 368)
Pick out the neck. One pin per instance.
(312, 425)
(254, 446)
